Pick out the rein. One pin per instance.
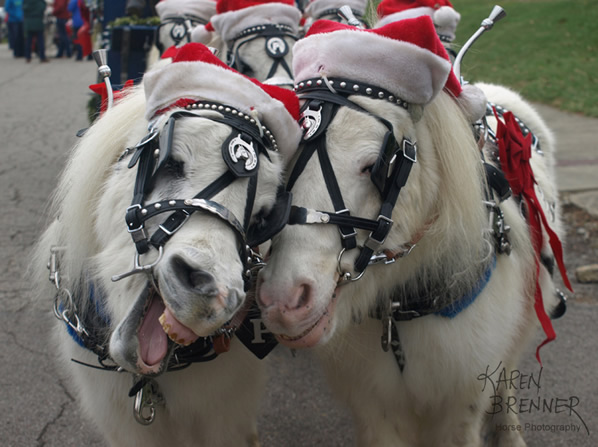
(389, 174)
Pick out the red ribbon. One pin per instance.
(102, 90)
(515, 151)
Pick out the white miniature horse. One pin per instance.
(451, 304)
(256, 40)
(144, 332)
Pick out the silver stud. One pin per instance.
(143, 212)
(220, 108)
(234, 112)
(214, 106)
(308, 83)
(368, 91)
(252, 121)
(172, 203)
(157, 206)
(188, 202)
(156, 153)
(301, 84)
(343, 84)
(380, 95)
(319, 82)
(355, 87)
(246, 117)
(227, 109)
(391, 98)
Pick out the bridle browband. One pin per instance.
(181, 28)
(323, 98)
(276, 47)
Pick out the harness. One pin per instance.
(323, 98)
(180, 30)
(240, 151)
(389, 173)
(275, 45)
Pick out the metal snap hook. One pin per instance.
(138, 268)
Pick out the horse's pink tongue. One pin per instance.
(176, 331)
(153, 344)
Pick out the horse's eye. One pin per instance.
(174, 168)
(367, 169)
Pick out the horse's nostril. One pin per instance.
(194, 278)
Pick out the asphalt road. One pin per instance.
(42, 107)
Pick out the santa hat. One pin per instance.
(203, 9)
(234, 16)
(196, 74)
(405, 58)
(443, 14)
(317, 8)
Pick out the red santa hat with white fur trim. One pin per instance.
(202, 9)
(196, 74)
(234, 16)
(443, 14)
(406, 58)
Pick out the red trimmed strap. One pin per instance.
(515, 152)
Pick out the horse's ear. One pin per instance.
(273, 222)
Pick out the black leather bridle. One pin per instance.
(323, 99)
(181, 29)
(275, 45)
(241, 150)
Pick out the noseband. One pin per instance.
(247, 140)
(276, 47)
(323, 99)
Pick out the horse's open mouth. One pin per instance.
(157, 325)
(314, 333)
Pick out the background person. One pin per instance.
(33, 24)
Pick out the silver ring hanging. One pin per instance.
(345, 277)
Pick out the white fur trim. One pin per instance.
(178, 8)
(229, 24)
(201, 35)
(446, 20)
(406, 14)
(317, 7)
(407, 70)
(473, 102)
(200, 80)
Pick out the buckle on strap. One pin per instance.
(377, 237)
(139, 232)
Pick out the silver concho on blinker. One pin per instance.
(239, 149)
(310, 122)
(178, 31)
(276, 47)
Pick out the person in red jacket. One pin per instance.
(62, 14)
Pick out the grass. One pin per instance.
(545, 49)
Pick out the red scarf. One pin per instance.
(515, 151)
